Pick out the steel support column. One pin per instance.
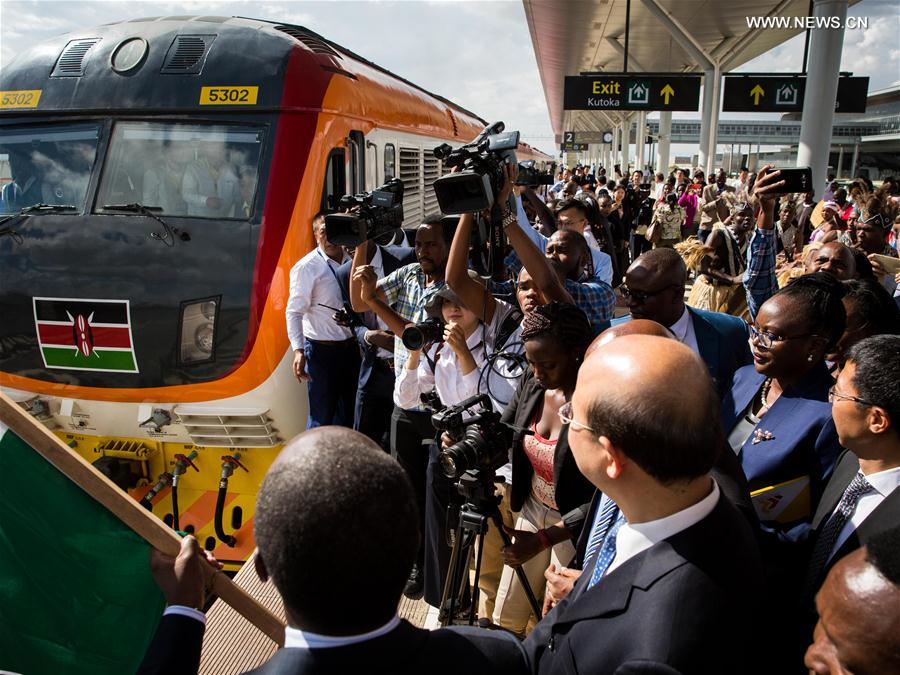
(705, 116)
(713, 128)
(840, 163)
(825, 50)
(665, 137)
(640, 140)
(854, 169)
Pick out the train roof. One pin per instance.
(77, 71)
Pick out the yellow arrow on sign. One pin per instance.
(756, 92)
(667, 91)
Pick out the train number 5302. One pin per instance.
(20, 99)
(228, 95)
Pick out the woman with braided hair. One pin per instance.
(548, 491)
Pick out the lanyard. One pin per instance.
(327, 262)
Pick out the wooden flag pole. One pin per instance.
(130, 512)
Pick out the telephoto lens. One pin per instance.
(416, 337)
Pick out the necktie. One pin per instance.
(607, 517)
(607, 553)
(829, 534)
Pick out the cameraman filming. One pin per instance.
(400, 299)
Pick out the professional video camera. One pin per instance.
(416, 337)
(372, 215)
(482, 161)
(531, 177)
(484, 439)
(472, 462)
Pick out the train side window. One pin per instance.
(390, 161)
(335, 180)
(188, 170)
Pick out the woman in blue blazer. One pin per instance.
(777, 416)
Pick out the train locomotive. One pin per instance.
(158, 178)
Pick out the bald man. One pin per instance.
(633, 327)
(654, 289)
(726, 471)
(672, 579)
(859, 612)
(337, 533)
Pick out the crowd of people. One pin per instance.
(698, 486)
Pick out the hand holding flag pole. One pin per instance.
(130, 512)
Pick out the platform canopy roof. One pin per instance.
(581, 36)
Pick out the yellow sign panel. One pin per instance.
(25, 98)
(228, 95)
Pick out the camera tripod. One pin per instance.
(479, 509)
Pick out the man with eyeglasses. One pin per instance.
(861, 498)
(672, 580)
(654, 289)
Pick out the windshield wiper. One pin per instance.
(168, 235)
(33, 210)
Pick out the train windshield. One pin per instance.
(197, 171)
(46, 165)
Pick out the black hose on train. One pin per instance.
(175, 506)
(217, 521)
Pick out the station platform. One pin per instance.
(232, 645)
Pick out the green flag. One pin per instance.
(76, 594)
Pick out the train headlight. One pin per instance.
(197, 339)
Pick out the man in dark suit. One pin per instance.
(374, 397)
(673, 578)
(337, 533)
(861, 498)
(654, 289)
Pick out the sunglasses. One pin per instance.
(641, 297)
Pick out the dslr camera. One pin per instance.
(484, 439)
(416, 337)
(529, 176)
(482, 164)
(367, 215)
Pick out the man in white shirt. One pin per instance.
(210, 185)
(672, 574)
(862, 498)
(326, 355)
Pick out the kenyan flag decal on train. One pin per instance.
(81, 334)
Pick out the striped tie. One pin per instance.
(608, 514)
(829, 534)
(607, 553)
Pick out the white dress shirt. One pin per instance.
(189, 612)
(311, 284)
(634, 538)
(883, 484)
(300, 639)
(294, 638)
(683, 330)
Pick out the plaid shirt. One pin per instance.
(760, 281)
(405, 291)
(594, 297)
